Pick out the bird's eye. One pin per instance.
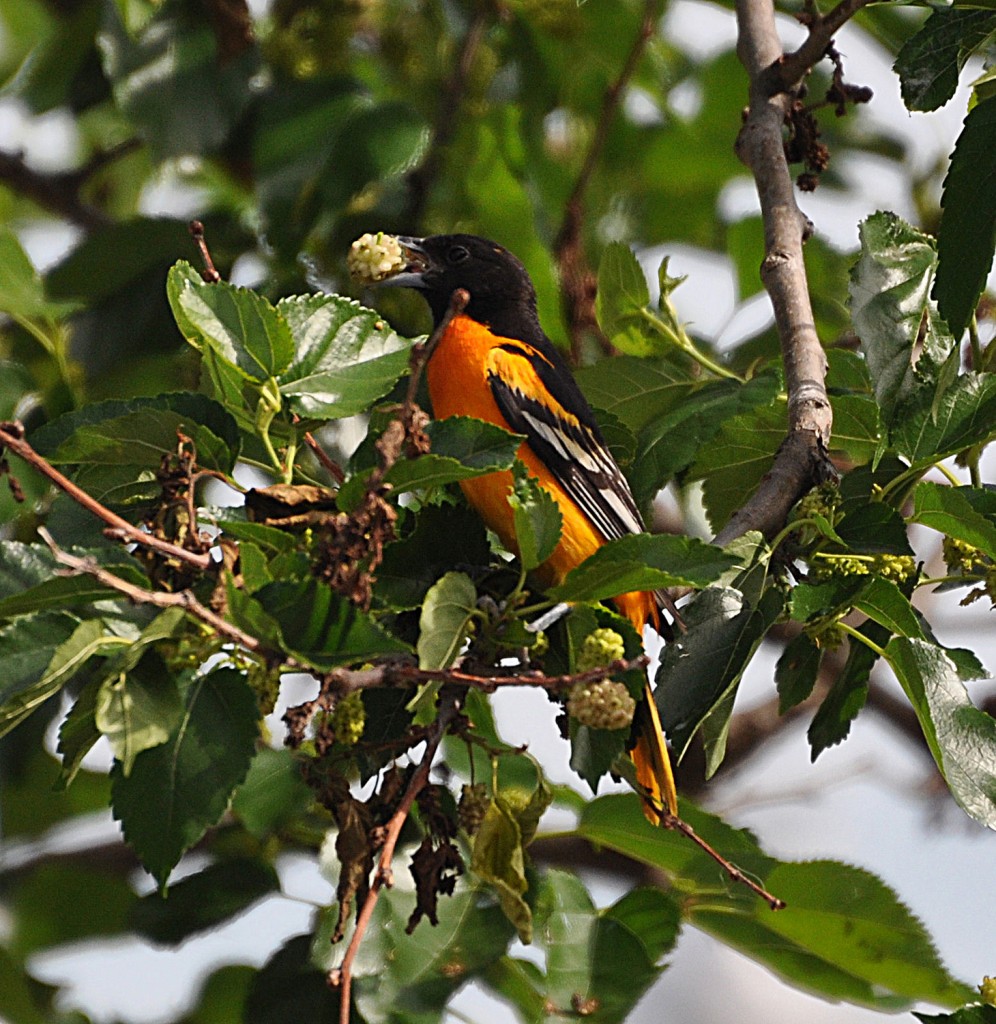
(457, 254)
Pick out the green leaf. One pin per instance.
(622, 297)
(857, 427)
(178, 790)
(273, 793)
(643, 562)
(462, 447)
(40, 654)
(844, 935)
(345, 356)
(597, 965)
(928, 430)
(739, 455)
(498, 859)
(28, 582)
(444, 537)
(636, 391)
(891, 309)
(447, 612)
(874, 528)
(537, 519)
(420, 971)
(670, 443)
(204, 900)
(796, 671)
(118, 446)
(321, 627)
(883, 602)
(22, 294)
(967, 234)
(930, 62)
(57, 903)
(239, 326)
(702, 667)
(961, 737)
(78, 733)
(950, 511)
(137, 709)
(289, 985)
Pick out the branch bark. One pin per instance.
(802, 459)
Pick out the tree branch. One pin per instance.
(802, 459)
(12, 438)
(59, 192)
(792, 67)
(341, 977)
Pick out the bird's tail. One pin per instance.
(653, 764)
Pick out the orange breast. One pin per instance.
(458, 386)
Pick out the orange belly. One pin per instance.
(458, 386)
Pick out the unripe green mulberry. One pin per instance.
(988, 990)
(540, 645)
(960, 556)
(603, 705)
(898, 568)
(349, 719)
(473, 805)
(601, 647)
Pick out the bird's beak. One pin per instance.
(417, 262)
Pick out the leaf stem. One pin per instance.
(679, 338)
(858, 635)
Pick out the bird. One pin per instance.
(493, 361)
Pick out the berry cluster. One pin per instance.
(898, 568)
(603, 705)
(374, 257)
(349, 719)
(601, 647)
(473, 805)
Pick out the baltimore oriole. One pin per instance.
(494, 362)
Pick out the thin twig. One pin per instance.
(159, 598)
(792, 67)
(210, 271)
(676, 824)
(341, 977)
(332, 467)
(576, 277)
(12, 437)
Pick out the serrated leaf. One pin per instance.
(537, 520)
(636, 391)
(40, 654)
(462, 447)
(856, 426)
(668, 444)
(704, 664)
(643, 562)
(238, 325)
(321, 627)
(891, 308)
(345, 356)
(949, 510)
(272, 793)
(883, 602)
(961, 737)
(928, 430)
(796, 671)
(28, 580)
(447, 612)
(204, 900)
(620, 302)
(596, 964)
(967, 234)
(118, 446)
(78, 733)
(737, 458)
(137, 709)
(874, 528)
(930, 61)
(178, 790)
(884, 960)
